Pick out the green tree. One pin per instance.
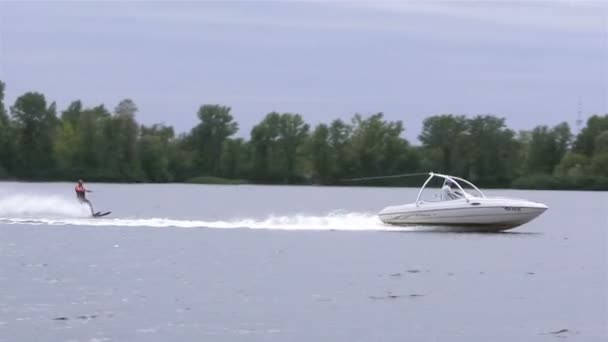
(208, 137)
(72, 113)
(264, 141)
(599, 161)
(94, 144)
(320, 153)
(489, 150)
(342, 153)
(122, 131)
(153, 151)
(181, 158)
(563, 138)
(378, 148)
(235, 159)
(67, 149)
(601, 142)
(277, 142)
(572, 165)
(97, 148)
(35, 126)
(3, 114)
(599, 164)
(585, 141)
(6, 138)
(126, 108)
(81, 148)
(440, 133)
(547, 148)
(293, 133)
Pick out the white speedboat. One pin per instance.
(454, 208)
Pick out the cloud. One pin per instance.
(569, 16)
(463, 23)
(311, 57)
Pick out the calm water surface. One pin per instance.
(258, 263)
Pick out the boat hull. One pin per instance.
(479, 215)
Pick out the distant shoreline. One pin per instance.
(224, 181)
(40, 143)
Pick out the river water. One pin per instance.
(277, 263)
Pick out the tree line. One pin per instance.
(39, 142)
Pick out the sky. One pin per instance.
(533, 63)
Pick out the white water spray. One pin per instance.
(60, 211)
(36, 206)
(336, 221)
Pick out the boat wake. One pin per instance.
(28, 209)
(336, 221)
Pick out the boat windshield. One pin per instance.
(432, 191)
(469, 188)
(447, 188)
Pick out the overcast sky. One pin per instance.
(529, 62)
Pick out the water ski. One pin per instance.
(100, 214)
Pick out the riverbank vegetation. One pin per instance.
(39, 141)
